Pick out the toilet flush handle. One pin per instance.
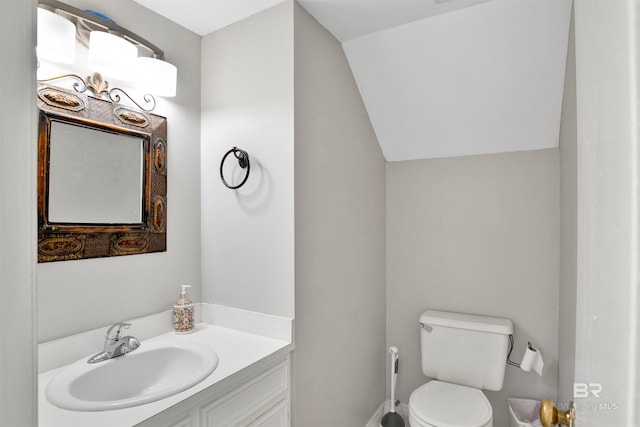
(549, 414)
(426, 327)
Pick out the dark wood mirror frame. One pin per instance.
(71, 241)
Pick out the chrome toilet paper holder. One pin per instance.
(531, 360)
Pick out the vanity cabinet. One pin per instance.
(256, 397)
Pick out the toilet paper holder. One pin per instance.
(511, 362)
(531, 361)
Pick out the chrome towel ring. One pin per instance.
(243, 161)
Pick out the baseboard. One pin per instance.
(377, 416)
(402, 409)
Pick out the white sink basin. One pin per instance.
(154, 371)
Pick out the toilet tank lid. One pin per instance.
(496, 325)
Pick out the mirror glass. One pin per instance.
(95, 177)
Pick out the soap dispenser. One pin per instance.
(183, 313)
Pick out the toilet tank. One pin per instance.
(464, 348)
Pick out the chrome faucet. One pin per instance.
(114, 345)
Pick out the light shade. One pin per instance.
(56, 38)
(156, 77)
(112, 56)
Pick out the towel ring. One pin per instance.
(243, 161)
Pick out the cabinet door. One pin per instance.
(172, 419)
(261, 400)
(249, 402)
(278, 416)
(185, 422)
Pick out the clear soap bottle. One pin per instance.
(183, 313)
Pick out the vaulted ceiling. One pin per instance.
(439, 78)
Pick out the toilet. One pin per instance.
(464, 354)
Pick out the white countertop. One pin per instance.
(236, 350)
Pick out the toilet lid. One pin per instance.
(450, 405)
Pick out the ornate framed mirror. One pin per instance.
(102, 177)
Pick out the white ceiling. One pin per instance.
(345, 19)
(439, 78)
(206, 16)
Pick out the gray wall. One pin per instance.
(18, 172)
(478, 235)
(107, 290)
(247, 101)
(568, 228)
(339, 360)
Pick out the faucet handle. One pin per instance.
(114, 331)
(132, 343)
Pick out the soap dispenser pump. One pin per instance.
(183, 313)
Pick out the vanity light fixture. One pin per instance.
(156, 76)
(113, 50)
(56, 37)
(112, 55)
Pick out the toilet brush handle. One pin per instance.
(394, 376)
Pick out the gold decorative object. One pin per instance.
(158, 216)
(97, 84)
(160, 155)
(61, 99)
(60, 247)
(131, 117)
(549, 414)
(129, 243)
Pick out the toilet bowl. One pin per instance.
(441, 404)
(464, 354)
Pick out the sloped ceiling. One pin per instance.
(348, 19)
(483, 79)
(439, 78)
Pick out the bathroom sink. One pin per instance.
(154, 371)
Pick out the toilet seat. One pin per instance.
(441, 404)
